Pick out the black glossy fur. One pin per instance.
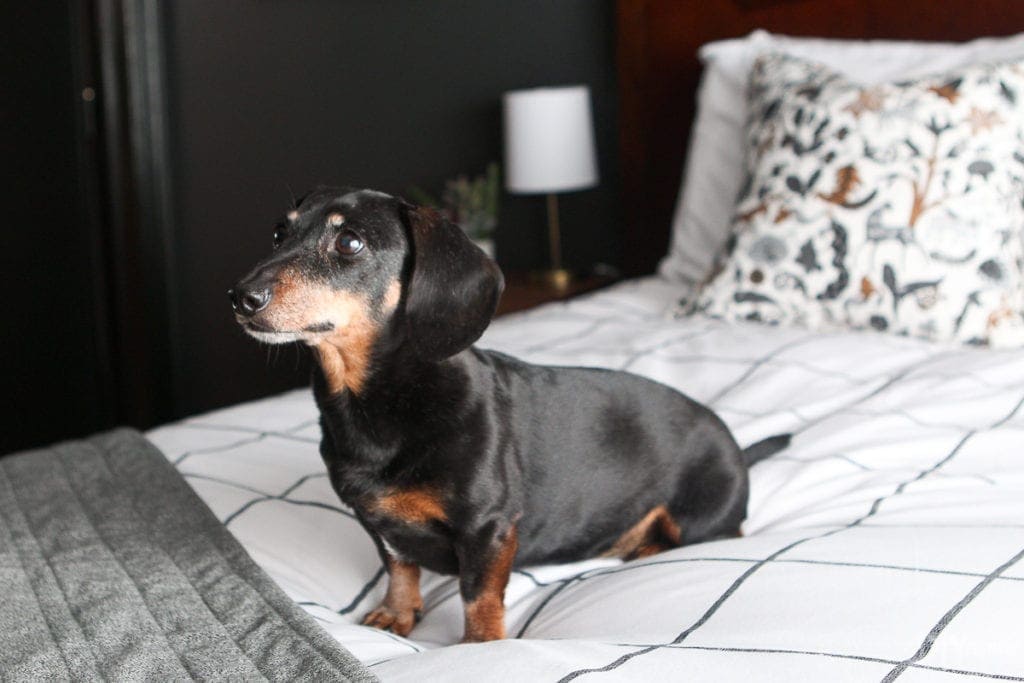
(572, 457)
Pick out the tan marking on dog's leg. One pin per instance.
(657, 531)
(402, 604)
(485, 615)
(414, 505)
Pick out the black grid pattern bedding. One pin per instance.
(885, 544)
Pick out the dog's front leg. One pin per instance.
(485, 562)
(402, 604)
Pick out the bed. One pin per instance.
(887, 542)
(887, 539)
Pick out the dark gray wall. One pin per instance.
(272, 96)
(52, 366)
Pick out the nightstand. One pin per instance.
(522, 292)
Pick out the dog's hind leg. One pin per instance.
(655, 532)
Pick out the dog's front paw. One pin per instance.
(398, 621)
(483, 637)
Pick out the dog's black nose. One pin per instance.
(249, 302)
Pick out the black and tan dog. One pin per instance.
(467, 461)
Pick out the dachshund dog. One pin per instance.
(467, 461)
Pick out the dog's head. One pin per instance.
(355, 272)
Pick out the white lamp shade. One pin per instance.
(549, 140)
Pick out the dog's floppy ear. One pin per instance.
(453, 287)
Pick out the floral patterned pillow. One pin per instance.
(895, 207)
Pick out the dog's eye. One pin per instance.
(279, 234)
(349, 243)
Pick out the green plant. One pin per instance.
(470, 202)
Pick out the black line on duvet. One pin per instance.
(833, 456)
(927, 525)
(758, 364)
(547, 344)
(750, 571)
(630, 566)
(543, 603)
(286, 435)
(283, 496)
(761, 650)
(808, 422)
(937, 630)
(259, 436)
(384, 661)
(637, 355)
(785, 363)
(302, 425)
(307, 503)
(920, 475)
(536, 582)
(225, 482)
(941, 463)
(566, 308)
(916, 570)
(835, 655)
(709, 612)
(289, 432)
(399, 639)
(889, 382)
(908, 416)
(302, 480)
(264, 494)
(216, 449)
(363, 592)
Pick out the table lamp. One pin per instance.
(549, 148)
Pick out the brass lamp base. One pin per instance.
(556, 278)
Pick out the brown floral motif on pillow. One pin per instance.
(896, 207)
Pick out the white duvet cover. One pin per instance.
(885, 543)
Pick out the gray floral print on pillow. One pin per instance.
(896, 207)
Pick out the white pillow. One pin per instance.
(714, 167)
(894, 206)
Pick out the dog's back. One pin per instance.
(598, 449)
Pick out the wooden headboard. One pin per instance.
(658, 72)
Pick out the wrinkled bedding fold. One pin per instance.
(112, 568)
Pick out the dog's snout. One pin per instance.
(249, 302)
